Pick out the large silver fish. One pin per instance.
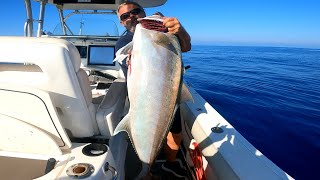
(154, 79)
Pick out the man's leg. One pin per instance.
(171, 148)
(174, 138)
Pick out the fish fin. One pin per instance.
(123, 125)
(144, 172)
(123, 52)
(185, 94)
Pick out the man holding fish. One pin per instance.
(129, 13)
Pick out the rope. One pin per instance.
(196, 157)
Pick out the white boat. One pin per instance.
(60, 103)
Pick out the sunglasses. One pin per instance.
(126, 15)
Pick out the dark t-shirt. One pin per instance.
(124, 40)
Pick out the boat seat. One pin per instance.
(110, 111)
(51, 65)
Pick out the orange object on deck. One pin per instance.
(196, 157)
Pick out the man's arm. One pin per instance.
(184, 39)
(174, 27)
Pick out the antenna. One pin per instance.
(81, 25)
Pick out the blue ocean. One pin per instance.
(271, 95)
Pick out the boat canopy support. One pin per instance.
(63, 18)
(28, 27)
(108, 7)
(41, 17)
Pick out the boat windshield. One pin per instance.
(88, 25)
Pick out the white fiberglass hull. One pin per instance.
(228, 154)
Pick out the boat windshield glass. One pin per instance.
(89, 25)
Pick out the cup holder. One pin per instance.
(94, 149)
(80, 170)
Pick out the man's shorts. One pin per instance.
(176, 124)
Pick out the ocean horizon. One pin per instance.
(257, 44)
(271, 95)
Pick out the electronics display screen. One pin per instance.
(82, 51)
(101, 55)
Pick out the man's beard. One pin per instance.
(131, 25)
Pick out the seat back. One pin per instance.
(52, 66)
(112, 108)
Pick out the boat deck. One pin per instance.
(156, 170)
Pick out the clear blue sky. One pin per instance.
(219, 22)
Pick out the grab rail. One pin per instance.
(108, 167)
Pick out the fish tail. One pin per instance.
(144, 171)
